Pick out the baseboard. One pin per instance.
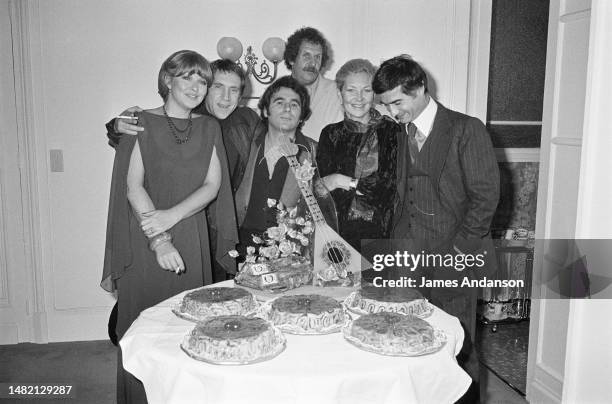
(538, 393)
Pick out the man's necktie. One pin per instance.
(412, 142)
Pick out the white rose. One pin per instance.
(270, 252)
(285, 248)
(275, 233)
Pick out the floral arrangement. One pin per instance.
(290, 238)
(305, 171)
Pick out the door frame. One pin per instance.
(31, 158)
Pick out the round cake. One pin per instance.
(403, 301)
(208, 302)
(392, 333)
(307, 314)
(233, 339)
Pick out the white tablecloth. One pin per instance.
(312, 369)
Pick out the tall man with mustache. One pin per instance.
(306, 55)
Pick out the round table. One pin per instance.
(312, 369)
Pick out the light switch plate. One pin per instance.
(56, 160)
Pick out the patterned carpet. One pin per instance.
(504, 352)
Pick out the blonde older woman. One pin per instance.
(357, 158)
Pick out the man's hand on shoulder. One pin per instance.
(127, 123)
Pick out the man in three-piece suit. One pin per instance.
(448, 186)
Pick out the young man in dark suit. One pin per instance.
(448, 189)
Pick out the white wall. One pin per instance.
(90, 59)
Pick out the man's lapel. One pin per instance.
(403, 166)
(240, 143)
(243, 193)
(439, 143)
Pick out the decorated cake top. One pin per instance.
(391, 295)
(231, 327)
(211, 295)
(315, 304)
(397, 325)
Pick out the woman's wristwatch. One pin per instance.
(353, 183)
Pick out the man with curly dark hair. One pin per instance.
(306, 55)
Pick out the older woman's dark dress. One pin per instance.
(367, 152)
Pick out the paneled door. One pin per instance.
(560, 155)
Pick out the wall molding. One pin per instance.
(540, 393)
(518, 155)
(515, 123)
(480, 45)
(542, 385)
(548, 383)
(34, 200)
(4, 298)
(549, 376)
(587, 370)
(575, 16)
(595, 161)
(458, 34)
(566, 141)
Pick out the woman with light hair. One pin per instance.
(163, 182)
(357, 157)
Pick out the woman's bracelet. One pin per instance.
(159, 240)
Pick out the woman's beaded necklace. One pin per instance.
(175, 131)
